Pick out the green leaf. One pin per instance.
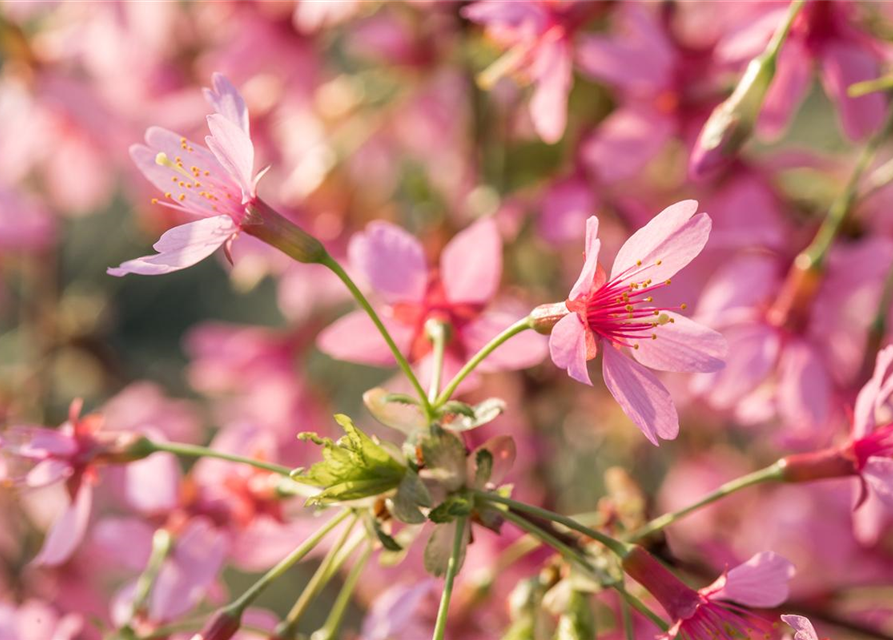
(577, 622)
(459, 416)
(395, 410)
(483, 467)
(386, 540)
(443, 455)
(440, 548)
(453, 507)
(354, 467)
(411, 494)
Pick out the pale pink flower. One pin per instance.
(37, 620)
(539, 35)
(618, 314)
(459, 293)
(720, 609)
(218, 186)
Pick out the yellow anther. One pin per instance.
(659, 262)
(668, 281)
(164, 161)
(167, 194)
(635, 346)
(629, 307)
(638, 263)
(207, 173)
(154, 200)
(654, 336)
(181, 197)
(683, 306)
(663, 318)
(649, 299)
(655, 312)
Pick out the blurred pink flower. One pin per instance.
(539, 35)
(802, 626)
(716, 611)
(217, 186)
(37, 620)
(460, 293)
(618, 313)
(823, 37)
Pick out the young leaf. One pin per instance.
(354, 467)
(458, 416)
(454, 506)
(440, 548)
(411, 494)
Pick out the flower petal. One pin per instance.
(787, 91)
(67, 532)
(626, 141)
(869, 398)
(878, 473)
(672, 238)
(48, 472)
(392, 261)
(355, 339)
(226, 100)
(752, 354)
(844, 63)
(762, 581)
(181, 247)
(802, 626)
(552, 70)
(804, 386)
(641, 396)
(522, 351)
(152, 485)
(682, 345)
(567, 346)
(471, 264)
(590, 264)
(234, 150)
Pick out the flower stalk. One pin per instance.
(195, 451)
(452, 570)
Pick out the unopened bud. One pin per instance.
(837, 462)
(546, 316)
(223, 625)
(732, 122)
(120, 447)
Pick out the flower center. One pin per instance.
(622, 310)
(199, 187)
(877, 443)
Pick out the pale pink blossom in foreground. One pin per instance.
(618, 316)
(539, 35)
(218, 186)
(719, 610)
(459, 293)
(37, 620)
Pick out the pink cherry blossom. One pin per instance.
(540, 36)
(217, 184)
(617, 315)
(459, 292)
(720, 609)
(802, 626)
(38, 620)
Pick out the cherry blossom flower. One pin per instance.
(71, 454)
(539, 35)
(37, 620)
(617, 315)
(215, 184)
(459, 293)
(720, 609)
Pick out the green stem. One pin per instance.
(575, 555)
(521, 325)
(616, 546)
(336, 615)
(194, 451)
(437, 333)
(817, 251)
(339, 271)
(288, 628)
(452, 570)
(162, 542)
(242, 602)
(626, 616)
(770, 474)
(781, 34)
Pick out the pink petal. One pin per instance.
(843, 64)
(506, 14)
(265, 541)
(471, 264)
(234, 150)
(625, 142)
(673, 238)
(38, 442)
(739, 289)
(637, 57)
(762, 581)
(804, 387)
(392, 261)
(802, 626)
(566, 206)
(520, 352)
(397, 609)
(567, 346)
(869, 398)
(878, 473)
(590, 264)
(552, 70)
(67, 532)
(641, 396)
(48, 472)
(682, 345)
(124, 542)
(181, 247)
(186, 577)
(152, 485)
(752, 354)
(355, 339)
(226, 100)
(788, 88)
